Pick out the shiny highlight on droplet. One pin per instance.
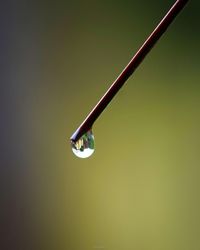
(84, 147)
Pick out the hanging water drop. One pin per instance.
(84, 147)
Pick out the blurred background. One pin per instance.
(140, 189)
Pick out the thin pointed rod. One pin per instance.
(129, 69)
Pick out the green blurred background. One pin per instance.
(140, 189)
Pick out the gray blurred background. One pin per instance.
(140, 189)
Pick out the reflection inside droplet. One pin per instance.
(84, 147)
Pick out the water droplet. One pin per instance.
(84, 147)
